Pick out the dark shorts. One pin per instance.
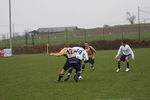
(123, 57)
(72, 62)
(91, 61)
(78, 67)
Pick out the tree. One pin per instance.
(131, 17)
(26, 36)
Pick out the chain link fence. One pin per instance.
(80, 35)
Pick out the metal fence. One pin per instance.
(81, 35)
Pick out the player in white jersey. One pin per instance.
(127, 53)
(82, 55)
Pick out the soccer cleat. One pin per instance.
(93, 68)
(118, 70)
(127, 69)
(76, 79)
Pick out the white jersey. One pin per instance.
(126, 50)
(81, 53)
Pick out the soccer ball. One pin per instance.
(80, 77)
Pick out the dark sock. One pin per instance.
(74, 76)
(59, 77)
(70, 71)
(127, 64)
(118, 64)
(77, 75)
(92, 66)
(83, 66)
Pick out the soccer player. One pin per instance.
(91, 53)
(72, 62)
(127, 53)
(82, 55)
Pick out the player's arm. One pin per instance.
(119, 51)
(132, 54)
(55, 54)
(58, 54)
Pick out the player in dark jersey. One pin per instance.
(72, 62)
(82, 56)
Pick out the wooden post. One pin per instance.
(47, 48)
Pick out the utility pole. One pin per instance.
(139, 26)
(10, 30)
(13, 31)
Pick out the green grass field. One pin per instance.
(31, 77)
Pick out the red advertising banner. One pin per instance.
(1, 52)
(5, 53)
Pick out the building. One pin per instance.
(56, 29)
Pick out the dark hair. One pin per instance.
(85, 42)
(123, 41)
(83, 47)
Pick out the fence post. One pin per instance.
(85, 36)
(48, 37)
(26, 38)
(122, 31)
(32, 39)
(66, 36)
(47, 48)
(103, 33)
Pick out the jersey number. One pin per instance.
(79, 51)
(69, 51)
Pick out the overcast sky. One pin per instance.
(32, 14)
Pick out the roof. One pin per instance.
(57, 29)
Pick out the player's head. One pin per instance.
(123, 43)
(86, 44)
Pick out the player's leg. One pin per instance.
(93, 68)
(91, 61)
(77, 75)
(83, 65)
(61, 74)
(118, 62)
(78, 70)
(127, 62)
(122, 58)
(68, 75)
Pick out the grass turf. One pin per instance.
(31, 77)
